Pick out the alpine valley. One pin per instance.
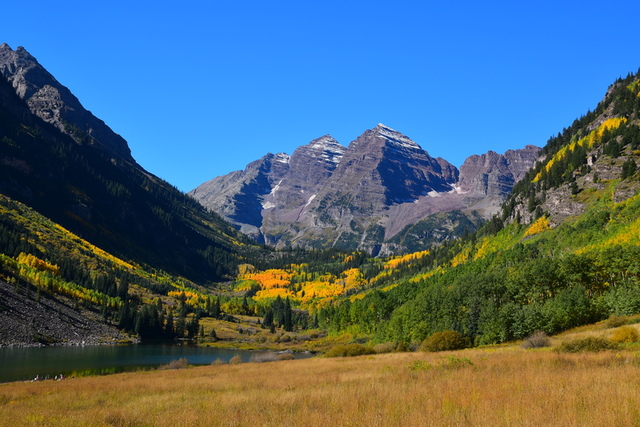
(377, 244)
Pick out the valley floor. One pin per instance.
(491, 386)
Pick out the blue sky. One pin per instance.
(201, 88)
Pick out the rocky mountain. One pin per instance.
(361, 196)
(63, 162)
(55, 104)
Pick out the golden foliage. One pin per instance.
(395, 262)
(273, 293)
(588, 142)
(274, 278)
(37, 263)
(462, 257)
(540, 225)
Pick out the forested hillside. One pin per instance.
(563, 252)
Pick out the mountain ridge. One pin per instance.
(360, 196)
(54, 103)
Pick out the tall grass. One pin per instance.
(492, 387)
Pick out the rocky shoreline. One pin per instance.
(50, 320)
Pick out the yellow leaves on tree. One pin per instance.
(37, 263)
(269, 279)
(588, 142)
(539, 226)
(395, 262)
(273, 293)
(190, 297)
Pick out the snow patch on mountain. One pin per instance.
(282, 158)
(396, 137)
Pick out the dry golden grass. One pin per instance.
(502, 386)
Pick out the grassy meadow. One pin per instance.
(503, 385)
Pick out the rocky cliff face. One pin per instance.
(358, 197)
(55, 104)
(493, 174)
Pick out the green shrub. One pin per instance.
(616, 321)
(625, 334)
(445, 340)
(387, 347)
(349, 350)
(586, 344)
(538, 339)
(392, 347)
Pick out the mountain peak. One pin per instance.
(281, 158)
(54, 103)
(326, 148)
(395, 137)
(324, 142)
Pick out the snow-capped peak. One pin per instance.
(282, 158)
(328, 148)
(396, 137)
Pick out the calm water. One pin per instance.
(18, 364)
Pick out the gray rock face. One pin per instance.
(239, 195)
(55, 104)
(492, 174)
(358, 197)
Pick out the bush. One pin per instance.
(445, 340)
(387, 347)
(538, 339)
(263, 357)
(625, 334)
(235, 360)
(175, 364)
(285, 356)
(616, 321)
(349, 350)
(217, 362)
(586, 344)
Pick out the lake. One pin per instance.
(24, 363)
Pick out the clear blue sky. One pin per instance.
(201, 88)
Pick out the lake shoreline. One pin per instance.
(27, 363)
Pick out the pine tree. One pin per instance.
(288, 321)
(245, 306)
(629, 168)
(168, 327)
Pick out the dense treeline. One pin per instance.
(504, 296)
